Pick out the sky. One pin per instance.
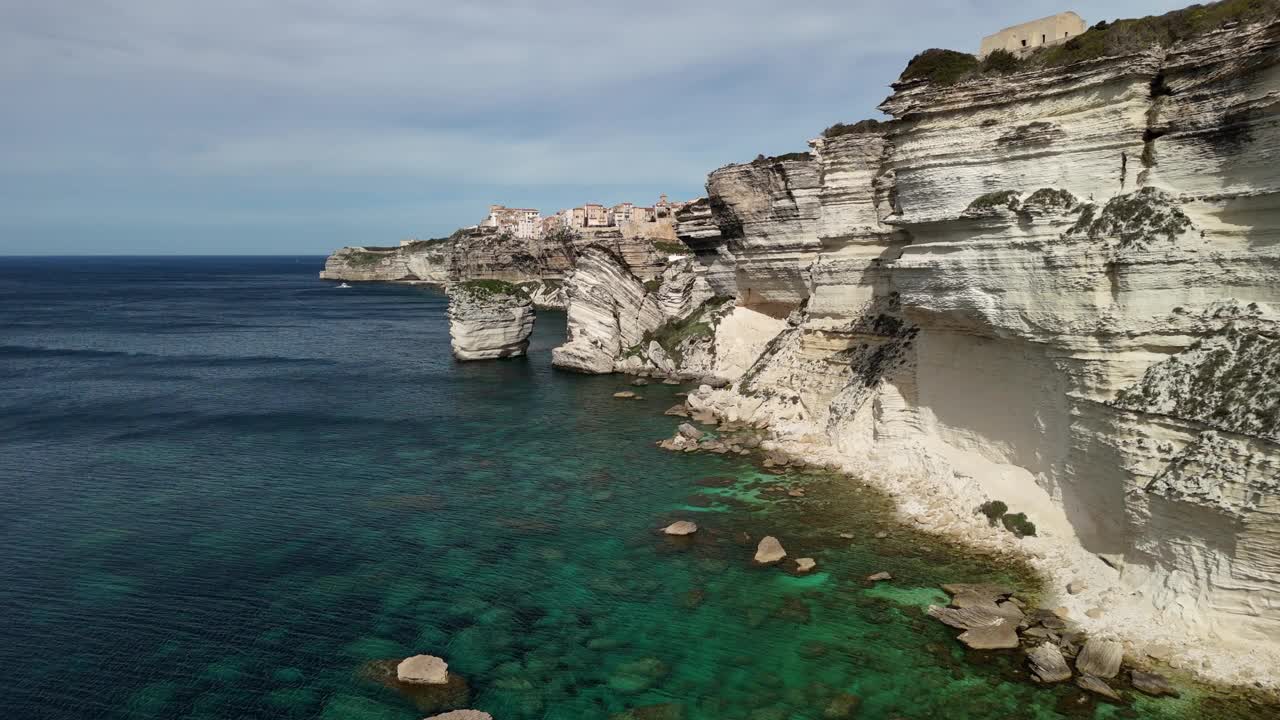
(294, 127)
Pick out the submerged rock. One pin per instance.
(769, 551)
(637, 675)
(423, 669)
(882, 575)
(624, 395)
(681, 527)
(462, 715)
(489, 319)
(804, 565)
(1097, 687)
(1047, 663)
(1100, 658)
(1152, 684)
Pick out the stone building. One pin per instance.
(597, 215)
(520, 222)
(1024, 38)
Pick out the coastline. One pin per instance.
(945, 508)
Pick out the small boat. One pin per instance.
(343, 285)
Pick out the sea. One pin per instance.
(231, 490)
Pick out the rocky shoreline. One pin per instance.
(1059, 643)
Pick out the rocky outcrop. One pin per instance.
(489, 319)
(483, 253)
(1052, 288)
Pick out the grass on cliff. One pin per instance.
(671, 248)
(869, 126)
(948, 67)
(1123, 37)
(488, 288)
(362, 258)
(673, 333)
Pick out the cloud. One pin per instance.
(371, 94)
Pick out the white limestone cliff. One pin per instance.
(1052, 288)
(489, 319)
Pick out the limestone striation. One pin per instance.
(1051, 287)
(489, 319)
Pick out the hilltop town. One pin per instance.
(528, 223)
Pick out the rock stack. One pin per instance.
(489, 319)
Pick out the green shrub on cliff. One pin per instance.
(941, 67)
(994, 510)
(862, 127)
(948, 67)
(992, 200)
(1019, 525)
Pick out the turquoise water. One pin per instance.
(228, 490)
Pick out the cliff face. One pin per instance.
(484, 254)
(1052, 288)
(489, 319)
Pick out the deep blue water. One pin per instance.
(230, 490)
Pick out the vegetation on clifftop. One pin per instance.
(1124, 37)
(1121, 37)
(948, 67)
(488, 288)
(363, 258)
(862, 127)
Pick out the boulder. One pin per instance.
(681, 527)
(1100, 658)
(984, 628)
(689, 431)
(1152, 684)
(1097, 687)
(999, 636)
(804, 565)
(680, 410)
(624, 395)
(1047, 663)
(423, 670)
(877, 577)
(769, 551)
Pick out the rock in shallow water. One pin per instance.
(423, 669)
(462, 715)
(1100, 658)
(1152, 684)
(681, 527)
(1097, 687)
(804, 565)
(769, 551)
(1047, 663)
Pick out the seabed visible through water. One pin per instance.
(243, 494)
